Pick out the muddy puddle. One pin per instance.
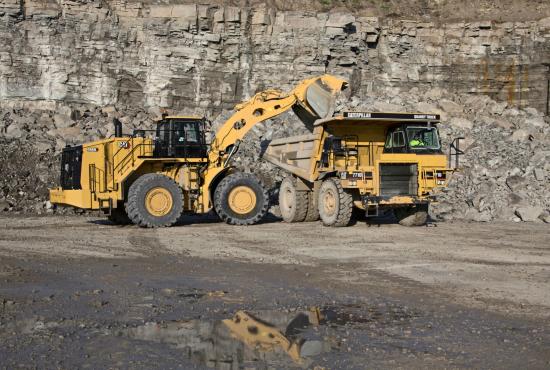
(295, 338)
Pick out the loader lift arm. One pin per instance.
(313, 98)
(315, 95)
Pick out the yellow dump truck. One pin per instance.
(151, 177)
(368, 160)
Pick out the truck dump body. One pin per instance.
(355, 148)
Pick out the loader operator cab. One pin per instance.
(181, 137)
(417, 138)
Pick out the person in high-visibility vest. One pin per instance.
(416, 141)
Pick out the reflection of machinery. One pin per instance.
(261, 336)
(245, 340)
(151, 178)
(366, 160)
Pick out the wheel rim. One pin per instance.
(329, 202)
(242, 200)
(158, 202)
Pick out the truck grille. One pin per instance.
(398, 179)
(71, 163)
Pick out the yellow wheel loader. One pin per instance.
(150, 178)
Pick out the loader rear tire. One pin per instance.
(119, 216)
(335, 205)
(154, 200)
(241, 199)
(312, 209)
(292, 203)
(412, 216)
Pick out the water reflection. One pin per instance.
(264, 340)
(270, 339)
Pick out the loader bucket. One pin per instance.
(316, 97)
(321, 99)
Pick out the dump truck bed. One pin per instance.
(295, 154)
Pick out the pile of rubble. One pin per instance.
(31, 141)
(504, 173)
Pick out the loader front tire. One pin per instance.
(412, 216)
(241, 199)
(292, 203)
(335, 205)
(154, 200)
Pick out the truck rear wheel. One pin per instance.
(335, 205)
(412, 216)
(154, 200)
(312, 209)
(241, 199)
(293, 203)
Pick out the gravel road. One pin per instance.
(78, 292)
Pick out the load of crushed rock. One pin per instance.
(504, 172)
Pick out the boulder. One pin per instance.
(14, 131)
(540, 174)
(461, 123)
(515, 182)
(519, 135)
(450, 106)
(529, 214)
(62, 121)
(4, 205)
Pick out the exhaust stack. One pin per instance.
(118, 127)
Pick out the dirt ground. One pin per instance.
(78, 292)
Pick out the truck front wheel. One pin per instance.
(241, 199)
(335, 205)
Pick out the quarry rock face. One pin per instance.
(68, 68)
(203, 59)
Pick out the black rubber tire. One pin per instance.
(221, 198)
(292, 202)
(412, 216)
(119, 216)
(135, 206)
(312, 213)
(343, 204)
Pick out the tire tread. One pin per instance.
(132, 205)
(223, 188)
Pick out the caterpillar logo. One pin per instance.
(358, 115)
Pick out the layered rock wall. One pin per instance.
(203, 59)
